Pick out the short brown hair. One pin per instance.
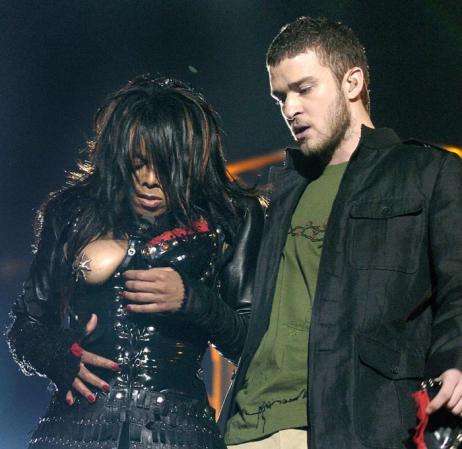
(335, 44)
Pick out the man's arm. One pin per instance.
(445, 221)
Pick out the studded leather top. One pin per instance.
(218, 285)
(158, 351)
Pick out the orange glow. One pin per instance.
(453, 149)
(254, 163)
(216, 395)
(222, 373)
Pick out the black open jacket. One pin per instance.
(388, 306)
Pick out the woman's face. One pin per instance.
(148, 197)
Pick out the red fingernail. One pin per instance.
(69, 402)
(106, 388)
(76, 350)
(128, 307)
(115, 367)
(91, 398)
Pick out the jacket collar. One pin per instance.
(377, 138)
(373, 138)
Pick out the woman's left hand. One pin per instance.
(154, 290)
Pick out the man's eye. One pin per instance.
(305, 89)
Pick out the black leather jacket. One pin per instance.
(387, 310)
(159, 355)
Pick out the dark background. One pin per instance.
(59, 59)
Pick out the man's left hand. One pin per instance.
(154, 290)
(450, 394)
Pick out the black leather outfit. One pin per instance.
(158, 399)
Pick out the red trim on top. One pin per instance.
(199, 226)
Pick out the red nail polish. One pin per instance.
(76, 350)
(115, 367)
(106, 388)
(128, 308)
(91, 398)
(69, 402)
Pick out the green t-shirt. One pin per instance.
(274, 395)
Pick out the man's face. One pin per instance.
(311, 102)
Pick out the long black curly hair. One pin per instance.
(176, 131)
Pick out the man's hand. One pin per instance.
(450, 394)
(154, 290)
(85, 376)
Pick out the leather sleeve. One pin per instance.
(445, 218)
(37, 340)
(223, 312)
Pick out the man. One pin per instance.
(362, 253)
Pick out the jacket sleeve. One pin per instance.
(223, 312)
(37, 340)
(446, 255)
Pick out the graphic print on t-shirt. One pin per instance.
(311, 231)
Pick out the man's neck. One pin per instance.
(351, 140)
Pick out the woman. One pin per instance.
(145, 258)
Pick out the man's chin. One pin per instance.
(322, 150)
(309, 149)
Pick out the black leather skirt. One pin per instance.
(129, 419)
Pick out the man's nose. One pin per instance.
(291, 108)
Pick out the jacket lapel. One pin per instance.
(287, 186)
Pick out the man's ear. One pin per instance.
(353, 83)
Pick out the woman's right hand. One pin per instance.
(85, 376)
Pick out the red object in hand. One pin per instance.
(422, 400)
(77, 350)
